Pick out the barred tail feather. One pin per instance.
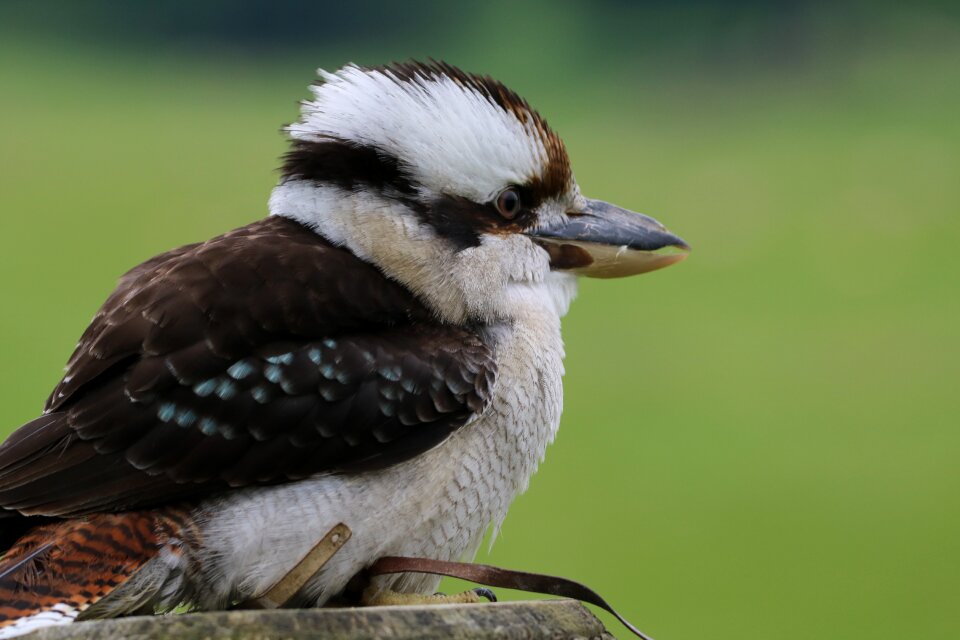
(58, 571)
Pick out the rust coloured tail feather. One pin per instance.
(58, 570)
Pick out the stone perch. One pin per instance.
(555, 619)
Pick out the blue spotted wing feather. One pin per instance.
(261, 356)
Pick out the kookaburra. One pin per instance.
(382, 350)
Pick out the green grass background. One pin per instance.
(761, 442)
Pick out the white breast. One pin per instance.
(438, 504)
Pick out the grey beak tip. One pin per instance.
(605, 241)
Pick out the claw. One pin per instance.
(483, 592)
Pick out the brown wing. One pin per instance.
(198, 306)
(263, 355)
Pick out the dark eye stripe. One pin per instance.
(345, 165)
(350, 166)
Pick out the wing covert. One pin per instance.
(214, 367)
(206, 304)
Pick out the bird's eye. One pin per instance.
(508, 203)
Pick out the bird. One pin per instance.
(383, 349)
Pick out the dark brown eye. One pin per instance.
(508, 203)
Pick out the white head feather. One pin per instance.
(450, 137)
(452, 134)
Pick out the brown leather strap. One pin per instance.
(496, 577)
(283, 592)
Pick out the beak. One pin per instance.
(605, 241)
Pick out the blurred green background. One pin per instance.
(761, 442)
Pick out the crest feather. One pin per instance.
(447, 130)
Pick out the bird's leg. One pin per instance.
(384, 597)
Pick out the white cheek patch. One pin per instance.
(451, 138)
(503, 275)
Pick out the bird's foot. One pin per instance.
(383, 598)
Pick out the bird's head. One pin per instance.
(454, 186)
